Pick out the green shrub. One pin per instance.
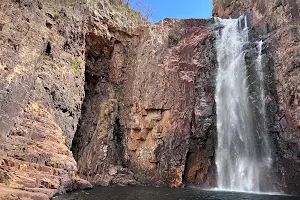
(5, 178)
(75, 64)
(124, 8)
(58, 16)
(46, 57)
(132, 13)
(114, 7)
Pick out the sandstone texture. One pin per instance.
(92, 94)
(149, 108)
(42, 69)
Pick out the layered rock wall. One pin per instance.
(42, 69)
(40, 96)
(144, 122)
(133, 101)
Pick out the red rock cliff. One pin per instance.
(133, 101)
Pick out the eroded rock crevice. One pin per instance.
(98, 145)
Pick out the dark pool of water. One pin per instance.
(150, 193)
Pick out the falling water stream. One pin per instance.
(238, 157)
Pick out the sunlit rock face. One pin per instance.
(42, 70)
(148, 117)
(40, 97)
(171, 133)
(277, 23)
(93, 94)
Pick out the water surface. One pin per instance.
(151, 193)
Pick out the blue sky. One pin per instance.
(177, 8)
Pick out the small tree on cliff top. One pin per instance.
(142, 7)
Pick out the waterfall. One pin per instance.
(262, 108)
(238, 155)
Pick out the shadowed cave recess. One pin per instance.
(98, 143)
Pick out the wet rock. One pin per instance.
(282, 78)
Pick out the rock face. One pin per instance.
(133, 101)
(277, 24)
(40, 96)
(149, 109)
(91, 94)
(42, 69)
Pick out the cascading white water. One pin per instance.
(238, 165)
(262, 108)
